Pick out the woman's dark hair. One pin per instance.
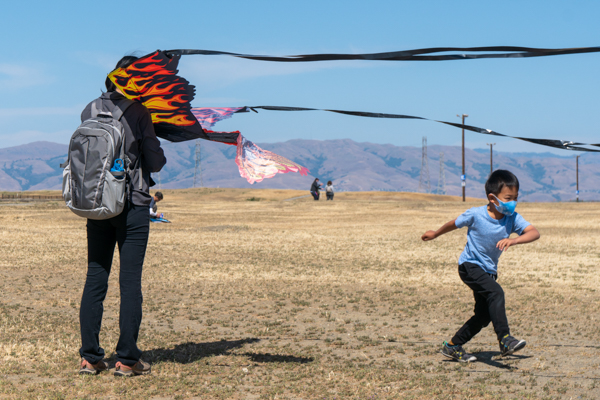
(329, 183)
(499, 179)
(123, 63)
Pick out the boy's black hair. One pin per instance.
(499, 179)
(159, 195)
(123, 63)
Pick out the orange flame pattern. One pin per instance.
(153, 81)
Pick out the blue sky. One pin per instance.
(56, 56)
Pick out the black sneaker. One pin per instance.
(509, 345)
(457, 353)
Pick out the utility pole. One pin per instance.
(159, 182)
(577, 176)
(198, 165)
(442, 178)
(463, 177)
(491, 156)
(424, 178)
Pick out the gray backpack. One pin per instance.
(95, 175)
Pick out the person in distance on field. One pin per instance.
(314, 189)
(158, 196)
(329, 190)
(488, 236)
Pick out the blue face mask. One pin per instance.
(507, 208)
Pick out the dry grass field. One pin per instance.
(249, 296)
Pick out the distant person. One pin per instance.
(314, 189)
(130, 231)
(488, 236)
(329, 190)
(158, 196)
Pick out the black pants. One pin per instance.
(130, 231)
(315, 195)
(329, 196)
(489, 304)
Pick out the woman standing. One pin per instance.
(314, 189)
(329, 191)
(129, 230)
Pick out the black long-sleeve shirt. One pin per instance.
(315, 186)
(140, 141)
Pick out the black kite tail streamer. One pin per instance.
(558, 144)
(427, 54)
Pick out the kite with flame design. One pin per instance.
(153, 81)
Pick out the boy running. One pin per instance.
(488, 236)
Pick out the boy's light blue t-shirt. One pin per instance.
(483, 235)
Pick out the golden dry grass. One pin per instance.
(250, 296)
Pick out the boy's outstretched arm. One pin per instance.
(529, 235)
(447, 227)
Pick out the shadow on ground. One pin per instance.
(277, 358)
(491, 358)
(190, 352)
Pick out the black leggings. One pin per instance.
(130, 231)
(489, 304)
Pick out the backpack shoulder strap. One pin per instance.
(117, 114)
(96, 107)
(120, 108)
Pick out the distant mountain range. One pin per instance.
(352, 166)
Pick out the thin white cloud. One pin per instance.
(216, 72)
(216, 101)
(15, 76)
(28, 136)
(7, 113)
(105, 61)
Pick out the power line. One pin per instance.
(424, 183)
